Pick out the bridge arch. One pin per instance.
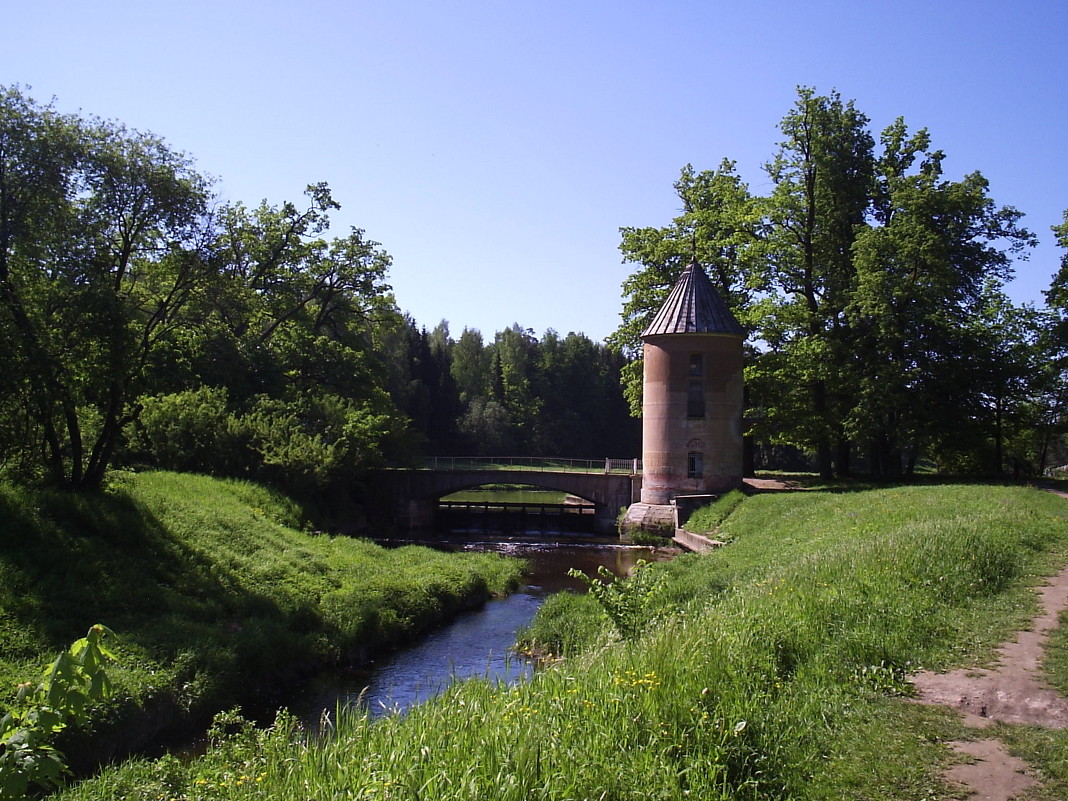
(414, 493)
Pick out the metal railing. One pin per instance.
(528, 463)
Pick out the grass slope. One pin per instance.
(215, 593)
(771, 669)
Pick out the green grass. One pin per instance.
(1056, 656)
(709, 518)
(773, 668)
(215, 594)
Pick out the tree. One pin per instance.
(471, 366)
(720, 226)
(515, 350)
(103, 236)
(822, 180)
(488, 428)
(583, 413)
(871, 286)
(928, 318)
(298, 308)
(1051, 391)
(288, 329)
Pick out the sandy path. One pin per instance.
(1012, 693)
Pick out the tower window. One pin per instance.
(695, 398)
(695, 465)
(697, 365)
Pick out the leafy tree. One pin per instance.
(720, 226)
(821, 179)
(103, 237)
(488, 428)
(299, 308)
(927, 313)
(872, 288)
(583, 413)
(471, 366)
(1050, 396)
(515, 350)
(287, 336)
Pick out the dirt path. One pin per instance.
(1011, 693)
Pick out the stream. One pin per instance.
(477, 643)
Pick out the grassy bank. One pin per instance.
(216, 594)
(771, 669)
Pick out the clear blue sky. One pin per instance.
(496, 148)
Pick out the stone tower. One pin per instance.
(692, 407)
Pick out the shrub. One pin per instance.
(70, 685)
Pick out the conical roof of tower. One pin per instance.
(693, 307)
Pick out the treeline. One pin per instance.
(517, 395)
(871, 286)
(143, 322)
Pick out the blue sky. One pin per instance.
(496, 148)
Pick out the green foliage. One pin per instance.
(102, 235)
(216, 592)
(649, 539)
(629, 602)
(871, 286)
(308, 446)
(565, 625)
(720, 226)
(244, 335)
(191, 431)
(554, 396)
(70, 685)
(779, 679)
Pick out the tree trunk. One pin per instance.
(998, 458)
(875, 460)
(843, 458)
(748, 456)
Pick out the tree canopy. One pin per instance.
(144, 322)
(872, 288)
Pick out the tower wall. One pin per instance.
(691, 435)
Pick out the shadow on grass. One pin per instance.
(191, 635)
(75, 559)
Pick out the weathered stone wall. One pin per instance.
(670, 434)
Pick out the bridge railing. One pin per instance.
(618, 466)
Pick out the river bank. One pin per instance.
(775, 667)
(216, 593)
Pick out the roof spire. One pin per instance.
(694, 307)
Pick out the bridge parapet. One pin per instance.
(528, 463)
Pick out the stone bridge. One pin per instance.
(413, 494)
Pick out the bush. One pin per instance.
(190, 431)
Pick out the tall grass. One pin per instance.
(215, 594)
(775, 674)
